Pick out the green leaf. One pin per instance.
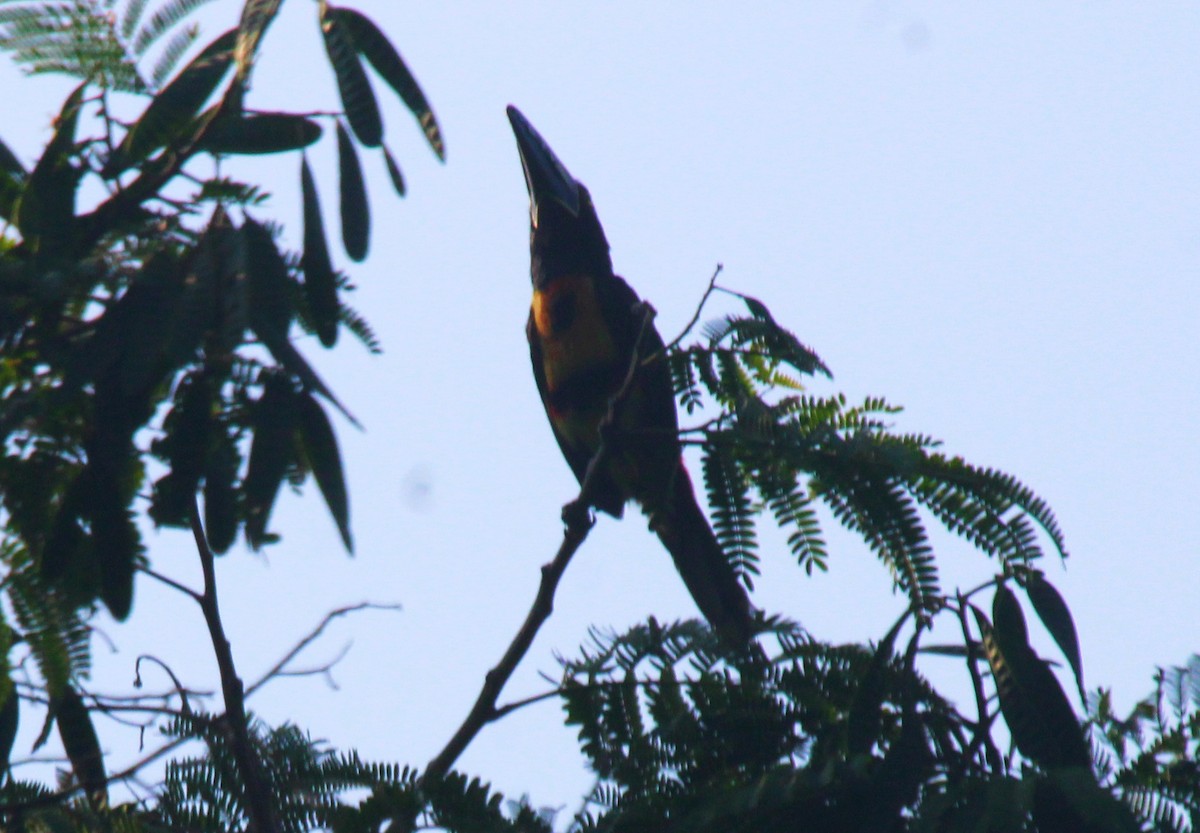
(1037, 711)
(174, 108)
(864, 721)
(384, 58)
(220, 494)
(1071, 800)
(260, 134)
(270, 312)
(116, 547)
(185, 441)
(10, 195)
(1009, 620)
(320, 282)
(1056, 616)
(67, 546)
(257, 15)
(757, 308)
(78, 737)
(166, 17)
(356, 211)
(321, 448)
(288, 356)
(732, 515)
(393, 170)
(9, 163)
(171, 54)
(47, 207)
(130, 17)
(70, 38)
(271, 452)
(353, 85)
(10, 714)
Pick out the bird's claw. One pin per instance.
(577, 515)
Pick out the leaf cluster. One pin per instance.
(312, 786)
(151, 332)
(775, 450)
(844, 737)
(1152, 755)
(827, 737)
(149, 363)
(150, 337)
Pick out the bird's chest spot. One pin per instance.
(574, 336)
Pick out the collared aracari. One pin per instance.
(585, 324)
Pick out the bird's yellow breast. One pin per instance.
(570, 323)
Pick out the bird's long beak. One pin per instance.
(545, 176)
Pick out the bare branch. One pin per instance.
(172, 583)
(279, 668)
(712, 286)
(179, 687)
(325, 669)
(258, 799)
(578, 523)
(983, 735)
(484, 711)
(57, 798)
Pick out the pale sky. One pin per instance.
(988, 215)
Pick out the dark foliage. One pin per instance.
(150, 367)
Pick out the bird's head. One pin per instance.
(566, 237)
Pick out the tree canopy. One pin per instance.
(151, 370)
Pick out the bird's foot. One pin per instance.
(577, 516)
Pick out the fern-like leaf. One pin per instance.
(733, 517)
(130, 16)
(77, 38)
(794, 509)
(172, 53)
(164, 19)
(358, 326)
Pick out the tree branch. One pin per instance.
(279, 668)
(484, 710)
(172, 583)
(578, 522)
(712, 287)
(258, 799)
(983, 735)
(107, 704)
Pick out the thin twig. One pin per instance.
(172, 583)
(278, 668)
(508, 708)
(325, 669)
(648, 684)
(712, 286)
(179, 687)
(35, 694)
(110, 709)
(578, 522)
(983, 737)
(109, 704)
(57, 798)
(258, 798)
(484, 710)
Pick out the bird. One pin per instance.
(585, 326)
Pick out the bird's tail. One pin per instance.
(698, 556)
